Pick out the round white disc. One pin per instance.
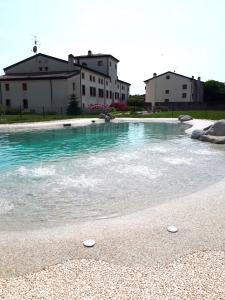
(89, 243)
(172, 229)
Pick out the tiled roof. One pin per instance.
(123, 82)
(39, 76)
(169, 72)
(96, 56)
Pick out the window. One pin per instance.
(167, 76)
(100, 63)
(118, 86)
(106, 82)
(184, 86)
(25, 103)
(24, 86)
(123, 97)
(73, 86)
(116, 96)
(90, 77)
(107, 94)
(184, 95)
(92, 91)
(110, 95)
(110, 63)
(40, 68)
(101, 93)
(83, 76)
(115, 66)
(93, 78)
(7, 86)
(83, 89)
(123, 87)
(8, 102)
(167, 91)
(46, 68)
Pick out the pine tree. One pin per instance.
(73, 107)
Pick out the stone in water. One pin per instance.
(172, 229)
(89, 243)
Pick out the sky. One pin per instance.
(147, 36)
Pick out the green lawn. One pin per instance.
(211, 115)
(8, 119)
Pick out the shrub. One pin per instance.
(135, 108)
(119, 106)
(96, 109)
(2, 110)
(136, 100)
(73, 107)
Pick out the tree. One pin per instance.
(136, 100)
(73, 107)
(214, 91)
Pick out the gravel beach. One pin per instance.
(196, 276)
(135, 257)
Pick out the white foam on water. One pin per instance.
(36, 172)
(5, 206)
(98, 161)
(139, 171)
(159, 149)
(206, 152)
(177, 161)
(79, 182)
(127, 156)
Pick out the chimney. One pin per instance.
(89, 53)
(70, 60)
(199, 78)
(193, 77)
(154, 74)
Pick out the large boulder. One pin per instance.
(217, 129)
(184, 118)
(197, 133)
(102, 116)
(212, 139)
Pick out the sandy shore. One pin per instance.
(134, 256)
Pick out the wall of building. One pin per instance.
(92, 63)
(50, 94)
(74, 88)
(97, 82)
(156, 89)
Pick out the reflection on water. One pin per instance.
(54, 177)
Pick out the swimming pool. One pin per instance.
(56, 177)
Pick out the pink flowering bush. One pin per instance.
(98, 107)
(95, 109)
(119, 106)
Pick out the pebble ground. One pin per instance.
(200, 275)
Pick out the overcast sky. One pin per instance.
(147, 36)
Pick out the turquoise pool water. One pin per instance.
(55, 177)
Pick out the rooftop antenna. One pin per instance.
(174, 69)
(36, 43)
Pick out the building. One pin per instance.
(172, 89)
(45, 82)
